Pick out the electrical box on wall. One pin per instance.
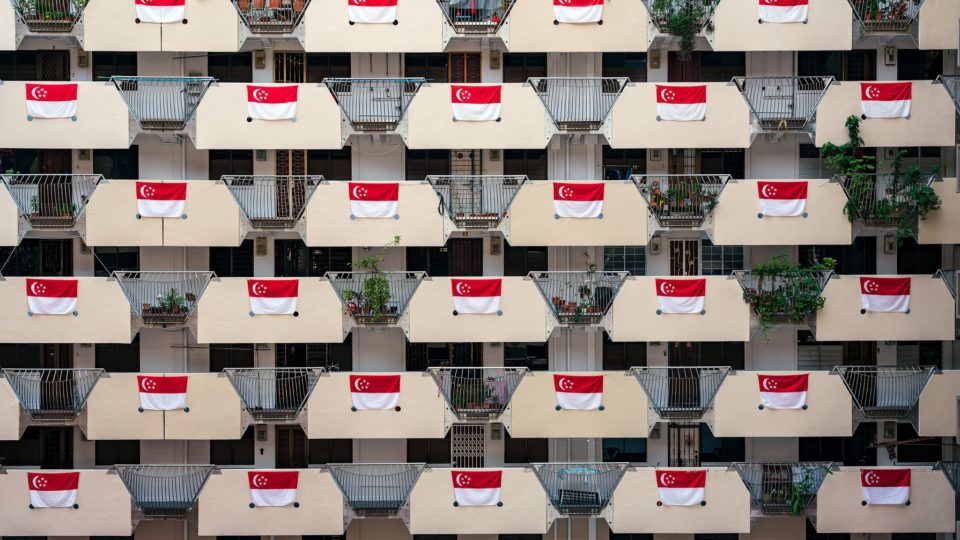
(890, 56)
(260, 432)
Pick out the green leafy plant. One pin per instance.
(780, 290)
(172, 301)
(804, 486)
(682, 18)
(375, 290)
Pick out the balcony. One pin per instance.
(225, 504)
(50, 201)
(885, 393)
(112, 411)
(162, 104)
(215, 411)
(783, 104)
(936, 410)
(931, 509)
(578, 104)
(881, 200)
(523, 510)
(783, 488)
(681, 201)
(11, 229)
(103, 507)
(679, 393)
(375, 298)
(580, 489)
(579, 298)
(782, 294)
(164, 491)
(163, 298)
(530, 28)
(277, 18)
(828, 28)
(52, 396)
(374, 105)
(49, 17)
(886, 17)
(379, 490)
(465, 19)
(330, 413)
(273, 394)
(420, 28)
(477, 202)
(664, 14)
(475, 393)
(272, 203)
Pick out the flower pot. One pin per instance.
(244, 5)
(298, 5)
(259, 4)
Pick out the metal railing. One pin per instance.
(579, 489)
(52, 395)
(376, 489)
(885, 392)
(578, 103)
(374, 104)
(162, 103)
(272, 202)
(783, 488)
(681, 201)
(475, 17)
(951, 469)
(783, 103)
(783, 297)
(886, 15)
(163, 297)
(662, 11)
(164, 491)
(49, 16)
(680, 393)
(51, 200)
(477, 393)
(273, 394)
(475, 201)
(951, 83)
(579, 297)
(360, 294)
(881, 199)
(271, 16)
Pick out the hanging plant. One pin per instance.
(779, 290)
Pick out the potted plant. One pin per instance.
(779, 290)
(375, 289)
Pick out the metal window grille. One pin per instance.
(477, 202)
(783, 103)
(272, 202)
(468, 445)
(163, 297)
(477, 393)
(661, 11)
(779, 293)
(894, 16)
(374, 104)
(681, 201)
(164, 491)
(162, 103)
(680, 393)
(475, 17)
(51, 200)
(881, 198)
(272, 16)
(49, 16)
(356, 289)
(578, 103)
(883, 392)
(632, 259)
(579, 297)
(52, 395)
(376, 489)
(783, 488)
(579, 489)
(273, 394)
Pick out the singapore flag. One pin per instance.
(160, 393)
(372, 11)
(374, 199)
(51, 100)
(885, 294)
(161, 199)
(784, 11)
(273, 488)
(476, 296)
(578, 11)
(53, 490)
(681, 103)
(885, 486)
(782, 199)
(272, 102)
(476, 488)
(681, 488)
(783, 391)
(475, 103)
(578, 200)
(886, 100)
(578, 392)
(161, 11)
(681, 295)
(375, 392)
(52, 296)
(273, 296)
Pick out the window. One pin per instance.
(848, 451)
(465, 68)
(323, 537)
(913, 258)
(720, 449)
(858, 258)
(623, 355)
(707, 353)
(33, 257)
(107, 64)
(521, 260)
(912, 448)
(724, 161)
(117, 163)
(518, 67)
(111, 259)
(460, 257)
(632, 65)
(815, 355)
(422, 163)
(109, 453)
(118, 357)
(917, 65)
(533, 356)
(706, 66)
(428, 66)
(720, 260)
(622, 163)
(323, 66)
(292, 448)
(230, 163)
(45, 65)
(31, 161)
(532, 163)
(230, 67)
(292, 258)
(323, 451)
(34, 355)
(332, 356)
(632, 259)
(525, 451)
(812, 534)
(920, 353)
(233, 452)
(46, 447)
(232, 261)
(230, 355)
(628, 450)
(331, 164)
(431, 451)
(842, 65)
(421, 356)
(927, 158)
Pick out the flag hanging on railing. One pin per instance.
(477, 488)
(273, 488)
(374, 199)
(681, 488)
(372, 11)
(578, 200)
(885, 486)
(161, 199)
(161, 11)
(783, 391)
(578, 11)
(782, 199)
(273, 296)
(375, 392)
(886, 100)
(272, 102)
(885, 294)
(578, 392)
(681, 103)
(681, 295)
(475, 103)
(159, 393)
(51, 100)
(53, 490)
(784, 11)
(52, 296)
(476, 296)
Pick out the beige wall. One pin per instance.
(102, 119)
(430, 121)
(8, 27)
(737, 414)
(942, 226)
(111, 217)
(736, 221)
(9, 413)
(931, 509)
(939, 26)
(931, 313)
(111, 411)
(530, 28)
(931, 121)
(938, 405)
(9, 215)
(110, 26)
(431, 318)
(222, 120)
(635, 507)
(419, 29)
(328, 220)
(524, 509)
(214, 413)
(213, 218)
(212, 25)
(104, 508)
(633, 315)
(830, 28)
(224, 507)
(530, 220)
(634, 121)
(534, 411)
(421, 414)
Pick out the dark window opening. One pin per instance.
(292, 258)
(632, 65)
(623, 355)
(107, 64)
(533, 356)
(431, 451)
(41, 258)
(858, 258)
(324, 451)
(44, 447)
(108, 453)
(230, 163)
(233, 452)
(118, 357)
(108, 260)
(848, 451)
(230, 67)
(231, 355)
(232, 261)
(521, 260)
(518, 67)
(460, 257)
(622, 163)
(117, 163)
(421, 356)
(624, 450)
(842, 65)
(524, 451)
(331, 164)
(423, 163)
(532, 163)
(331, 356)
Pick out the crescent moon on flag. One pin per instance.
(356, 191)
(460, 479)
(872, 92)
(256, 481)
(766, 384)
(459, 97)
(666, 479)
(766, 190)
(36, 482)
(259, 94)
(33, 288)
(255, 288)
(460, 287)
(871, 478)
(356, 384)
(33, 92)
(565, 384)
(870, 286)
(663, 288)
(663, 94)
(143, 191)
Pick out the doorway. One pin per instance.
(684, 257)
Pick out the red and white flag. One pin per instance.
(375, 392)
(51, 296)
(374, 199)
(272, 102)
(681, 488)
(372, 11)
(782, 199)
(578, 11)
(783, 391)
(476, 295)
(885, 294)
(159, 393)
(886, 100)
(161, 11)
(784, 11)
(578, 200)
(578, 392)
(51, 100)
(273, 488)
(681, 103)
(885, 486)
(273, 296)
(53, 490)
(161, 199)
(475, 103)
(476, 488)
(681, 295)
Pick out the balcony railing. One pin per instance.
(681, 201)
(375, 298)
(477, 202)
(52, 395)
(579, 298)
(51, 201)
(271, 16)
(272, 202)
(376, 489)
(475, 17)
(162, 103)
(163, 298)
(49, 16)
(951, 83)
(783, 103)
(164, 491)
(783, 488)
(951, 469)
(374, 104)
(578, 103)
(680, 393)
(273, 394)
(885, 393)
(886, 16)
(783, 298)
(881, 200)
(579, 489)
(664, 12)
(477, 393)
